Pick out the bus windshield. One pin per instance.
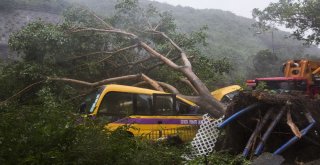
(90, 101)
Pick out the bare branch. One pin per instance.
(101, 20)
(152, 82)
(184, 57)
(84, 8)
(85, 83)
(142, 44)
(169, 87)
(150, 25)
(156, 27)
(20, 92)
(159, 56)
(106, 58)
(106, 52)
(186, 81)
(169, 52)
(293, 126)
(140, 84)
(118, 31)
(98, 83)
(115, 79)
(162, 63)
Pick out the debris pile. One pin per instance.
(284, 124)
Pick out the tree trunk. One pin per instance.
(206, 100)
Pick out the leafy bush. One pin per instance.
(39, 135)
(221, 159)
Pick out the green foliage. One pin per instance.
(211, 71)
(261, 86)
(38, 41)
(265, 64)
(303, 16)
(43, 135)
(84, 54)
(228, 35)
(221, 159)
(21, 74)
(33, 135)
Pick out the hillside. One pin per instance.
(228, 35)
(16, 14)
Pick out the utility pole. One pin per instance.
(272, 41)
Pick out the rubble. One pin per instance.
(282, 123)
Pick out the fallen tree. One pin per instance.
(205, 99)
(131, 42)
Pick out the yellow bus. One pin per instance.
(226, 94)
(149, 113)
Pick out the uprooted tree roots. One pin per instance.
(291, 115)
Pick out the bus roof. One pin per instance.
(219, 93)
(137, 90)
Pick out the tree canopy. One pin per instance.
(302, 16)
(134, 40)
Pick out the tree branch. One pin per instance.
(207, 102)
(106, 52)
(118, 31)
(162, 63)
(159, 56)
(20, 92)
(194, 99)
(142, 44)
(85, 83)
(186, 81)
(98, 83)
(136, 62)
(184, 57)
(100, 19)
(152, 82)
(293, 126)
(169, 87)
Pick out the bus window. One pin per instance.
(187, 109)
(226, 99)
(164, 104)
(143, 104)
(116, 104)
(90, 101)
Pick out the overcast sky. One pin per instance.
(238, 7)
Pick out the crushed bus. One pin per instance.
(149, 113)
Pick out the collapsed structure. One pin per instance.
(279, 115)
